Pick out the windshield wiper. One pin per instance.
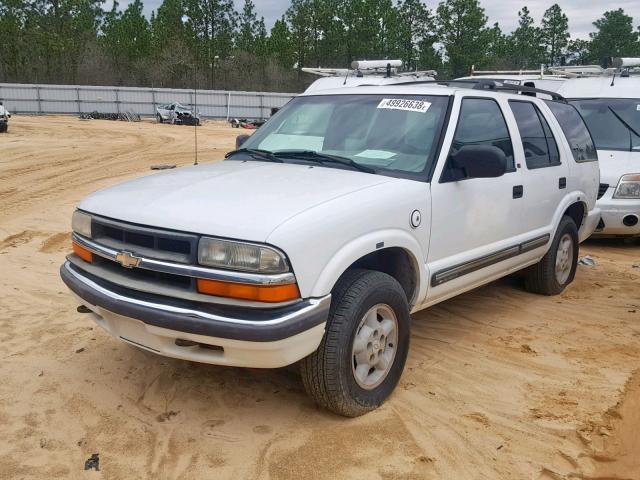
(321, 158)
(629, 127)
(256, 153)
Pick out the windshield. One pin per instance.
(614, 122)
(394, 134)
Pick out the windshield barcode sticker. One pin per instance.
(418, 106)
(637, 108)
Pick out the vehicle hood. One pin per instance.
(614, 164)
(233, 199)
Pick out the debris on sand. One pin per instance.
(587, 261)
(166, 416)
(163, 166)
(128, 116)
(93, 462)
(527, 349)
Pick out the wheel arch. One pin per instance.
(577, 211)
(397, 254)
(576, 206)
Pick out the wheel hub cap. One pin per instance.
(374, 346)
(564, 259)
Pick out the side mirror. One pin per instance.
(479, 161)
(240, 139)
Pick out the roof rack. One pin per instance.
(506, 72)
(610, 66)
(363, 68)
(488, 85)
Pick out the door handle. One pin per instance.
(518, 191)
(562, 183)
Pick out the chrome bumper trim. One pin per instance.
(313, 304)
(189, 270)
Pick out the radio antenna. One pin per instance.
(195, 111)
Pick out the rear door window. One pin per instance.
(575, 130)
(540, 147)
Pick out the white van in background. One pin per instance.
(609, 101)
(610, 107)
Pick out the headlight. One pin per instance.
(81, 223)
(628, 187)
(248, 257)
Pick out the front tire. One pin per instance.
(362, 354)
(557, 269)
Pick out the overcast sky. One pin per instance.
(581, 13)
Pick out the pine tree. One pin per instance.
(415, 32)
(525, 47)
(299, 20)
(615, 36)
(280, 45)
(555, 33)
(212, 24)
(247, 27)
(127, 35)
(463, 33)
(578, 52)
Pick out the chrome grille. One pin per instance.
(149, 242)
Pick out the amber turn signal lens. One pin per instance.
(258, 293)
(82, 252)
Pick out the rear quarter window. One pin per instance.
(575, 130)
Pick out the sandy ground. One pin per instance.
(499, 384)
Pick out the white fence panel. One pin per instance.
(75, 99)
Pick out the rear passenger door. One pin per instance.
(476, 222)
(544, 182)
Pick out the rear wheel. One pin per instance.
(362, 354)
(159, 118)
(557, 268)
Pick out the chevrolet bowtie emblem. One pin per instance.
(128, 259)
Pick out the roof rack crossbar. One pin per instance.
(487, 85)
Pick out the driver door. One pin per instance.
(475, 222)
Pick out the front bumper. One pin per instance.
(212, 334)
(614, 211)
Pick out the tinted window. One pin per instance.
(540, 148)
(575, 130)
(614, 123)
(480, 123)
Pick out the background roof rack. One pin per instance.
(361, 68)
(610, 66)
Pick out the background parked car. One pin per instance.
(4, 118)
(176, 113)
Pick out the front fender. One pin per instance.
(364, 245)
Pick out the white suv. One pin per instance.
(348, 210)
